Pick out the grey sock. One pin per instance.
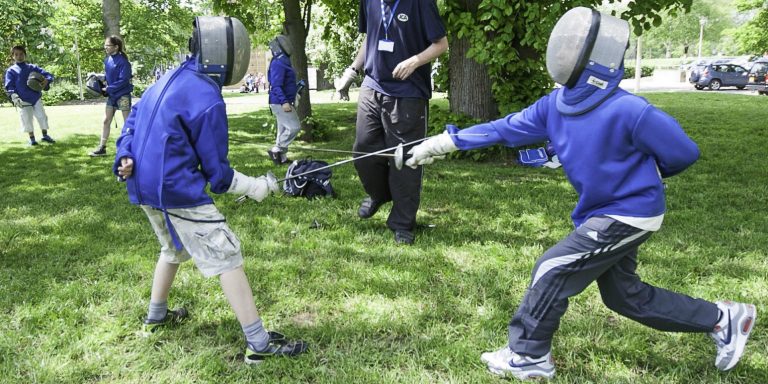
(256, 336)
(157, 311)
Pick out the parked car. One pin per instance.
(756, 80)
(716, 75)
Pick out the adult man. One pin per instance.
(402, 38)
(28, 100)
(282, 96)
(615, 148)
(174, 144)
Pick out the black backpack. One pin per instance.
(310, 185)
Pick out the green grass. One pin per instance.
(76, 262)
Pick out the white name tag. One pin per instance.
(602, 84)
(386, 45)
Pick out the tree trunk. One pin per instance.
(470, 84)
(111, 16)
(296, 31)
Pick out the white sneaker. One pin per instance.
(504, 363)
(732, 332)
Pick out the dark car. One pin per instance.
(756, 80)
(716, 75)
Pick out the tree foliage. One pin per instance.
(155, 32)
(752, 37)
(509, 38)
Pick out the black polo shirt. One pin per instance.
(414, 25)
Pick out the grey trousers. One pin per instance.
(384, 122)
(288, 126)
(603, 250)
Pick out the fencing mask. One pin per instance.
(281, 45)
(222, 46)
(585, 54)
(35, 81)
(584, 36)
(94, 84)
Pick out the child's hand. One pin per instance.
(125, 170)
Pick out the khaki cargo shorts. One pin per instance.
(205, 236)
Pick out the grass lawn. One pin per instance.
(76, 262)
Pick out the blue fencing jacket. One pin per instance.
(282, 81)
(117, 70)
(16, 81)
(614, 155)
(177, 136)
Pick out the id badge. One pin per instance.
(386, 45)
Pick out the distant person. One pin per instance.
(118, 74)
(175, 145)
(282, 96)
(615, 149)
(259, 81)
(250, 83)
(24, 84)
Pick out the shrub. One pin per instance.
(646, 71)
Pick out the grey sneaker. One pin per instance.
(505, 363)
(732, 332)
(278, 346)
(177, 315)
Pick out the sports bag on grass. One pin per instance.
(310, 185)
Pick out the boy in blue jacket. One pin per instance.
(28, 101)
(282, 96)
(174, 144)
(615, 149)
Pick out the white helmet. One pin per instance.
(584, 36)
(222, 46)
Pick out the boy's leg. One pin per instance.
(373, 171)
(563, 271)
(25, 116)
(42, 118)
(165, 272)
(623, 292)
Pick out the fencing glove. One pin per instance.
(431, 149)
(343, 83)
(16, 100)
(256, 188)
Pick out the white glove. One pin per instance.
(16, 100)
(344, 82)
(431, 149)
(256, 188)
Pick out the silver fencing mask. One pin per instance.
(94, 84)
(222, 46)
(583, 36)
(281, 45)
(35, 81)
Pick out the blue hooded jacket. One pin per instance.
(614, 154)
(118, 75)
(282, 81)
(16, 81)
(177, 136)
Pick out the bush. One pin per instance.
(646, 71)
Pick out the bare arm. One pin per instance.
(406, 67)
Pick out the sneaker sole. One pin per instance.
(744, 330)
(521, 375)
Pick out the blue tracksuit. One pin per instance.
(177, 136)
(16, 81)
(118, 75)
(282, 81)
(614, 153)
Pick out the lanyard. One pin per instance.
(384, 17)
